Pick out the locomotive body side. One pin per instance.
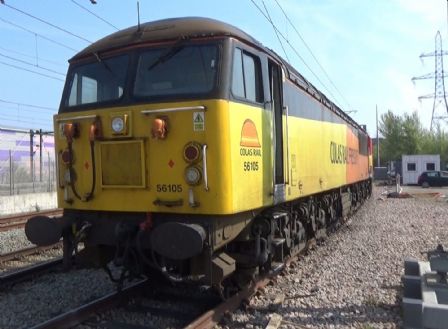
(326, 151)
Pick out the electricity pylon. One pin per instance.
(439, 95)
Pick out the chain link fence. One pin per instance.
(27, 163)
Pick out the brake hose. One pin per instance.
(71, 170)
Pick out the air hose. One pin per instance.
(89, 195)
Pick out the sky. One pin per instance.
(363, 53)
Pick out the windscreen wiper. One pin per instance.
(168, 54)
(106, 66)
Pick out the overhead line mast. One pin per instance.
(439, 95)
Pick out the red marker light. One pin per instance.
(66, 156)
(192, 152)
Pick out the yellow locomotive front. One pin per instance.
(148, 136)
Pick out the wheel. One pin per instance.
(425, 184)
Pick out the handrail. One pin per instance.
(175, 109)
(204, 166)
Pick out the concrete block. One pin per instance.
(412, 313)
(435, 316)
(425, 297)
(411, 267)
(412, 286)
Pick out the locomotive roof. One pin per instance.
(191, 27)
(164, 30)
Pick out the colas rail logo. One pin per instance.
(250, 144)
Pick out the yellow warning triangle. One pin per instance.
(198, 118)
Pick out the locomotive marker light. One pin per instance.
(159, 128)
(192, 175)
(67, 156)
(192, 152)
(71, 131)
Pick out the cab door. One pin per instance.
(279, 131)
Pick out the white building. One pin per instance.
(414, 165)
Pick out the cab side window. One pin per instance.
(246, 77)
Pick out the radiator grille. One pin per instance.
(122, 164)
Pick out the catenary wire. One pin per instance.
(21, 118)
(27, 117)
(296, 52)
(28, 105)
(273, 25)
(40, 35)
(92, 13)
(47, 23)
(32, 64)
(312, 54)
(33, 122)
(12, 108)
(31, 71)
(31, 56)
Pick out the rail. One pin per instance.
(82, 313)
(16, 254)
(18, 220)
(28, 272)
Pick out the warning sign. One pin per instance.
(198, 121)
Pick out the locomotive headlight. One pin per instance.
(118, 125)
(192, 175)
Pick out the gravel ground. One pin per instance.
(30, 303)
(353, 280)
(13, 240)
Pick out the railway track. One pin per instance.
(84, 312)
(208, 312)
(17, 254)
(29, 272)
(17, 221)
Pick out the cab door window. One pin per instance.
(246, 77)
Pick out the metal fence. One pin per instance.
(27, 163)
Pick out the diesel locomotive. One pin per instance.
(186, 147)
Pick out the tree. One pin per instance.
(412, 134)
(390, 127)
(436, 142)
(406, 135)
